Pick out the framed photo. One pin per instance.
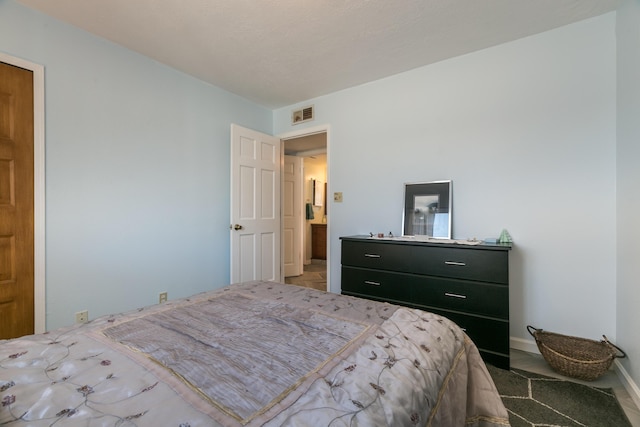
(427, 209)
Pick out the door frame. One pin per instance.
(39, 278)
(297, 134)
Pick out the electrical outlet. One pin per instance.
(163, 297)
(82, 316)
(337, 197)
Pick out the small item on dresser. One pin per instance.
(380, 235)
(491, 240)
(505, 237)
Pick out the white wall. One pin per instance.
(628, 201)
(137, 170)
(526, 131)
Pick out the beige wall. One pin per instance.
(314, 168)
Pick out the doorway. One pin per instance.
(312, 150)
(39, 262)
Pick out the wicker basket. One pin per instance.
(576, 357)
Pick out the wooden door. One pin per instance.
(255, 206)
(16, 202)
(292, 207)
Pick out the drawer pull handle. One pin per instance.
(372, 255)
(368, 282)
(461, 264)
(449, 294)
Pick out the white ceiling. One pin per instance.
(280, 52)
(309, 145)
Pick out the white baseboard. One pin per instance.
(627, 382)
(530, 346)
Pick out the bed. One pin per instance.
(252, 354)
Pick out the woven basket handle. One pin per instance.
(530, 328)
(606, 340)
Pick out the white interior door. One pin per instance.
(255, 206)
(292, 216)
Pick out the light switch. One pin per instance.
(337, 197)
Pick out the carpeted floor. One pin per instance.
(538, 400)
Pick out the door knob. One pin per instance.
(237, 227)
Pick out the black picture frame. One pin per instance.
(428, 210)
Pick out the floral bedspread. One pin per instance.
(253, 354)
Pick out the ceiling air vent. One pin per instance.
(303, 115)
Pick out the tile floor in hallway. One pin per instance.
(314, 276)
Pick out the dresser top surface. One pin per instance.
(424, 241)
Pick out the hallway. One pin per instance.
(314, 276)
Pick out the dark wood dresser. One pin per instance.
(468, 284)
(319, 241)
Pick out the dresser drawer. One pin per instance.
(486, 334)
(461, 263)
(380, 284)
(376, 255)
(469, 297)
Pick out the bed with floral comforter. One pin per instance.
(253, 354)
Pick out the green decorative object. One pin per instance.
(505, 237)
